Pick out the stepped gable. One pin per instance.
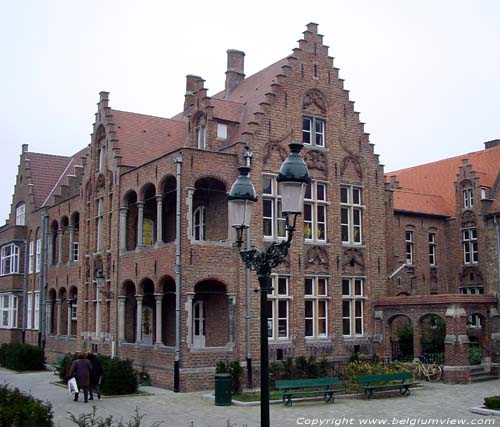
(142, 138)
(45, 172)
(438, 179)
(69, 181)
(247, 97)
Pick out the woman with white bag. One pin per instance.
(80, 370)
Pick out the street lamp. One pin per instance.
(292, 179)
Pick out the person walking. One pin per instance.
(95, 375)
(81, 369)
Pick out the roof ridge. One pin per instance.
(51, 155)
(145, 115)
(63, 174)
(443, 160)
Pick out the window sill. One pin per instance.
(220, 243)
(315, 147)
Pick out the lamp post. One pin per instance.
(292, 179)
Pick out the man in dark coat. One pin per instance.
(95, 375)
(81, 369)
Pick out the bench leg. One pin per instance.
(329, 397)
(405, 391)
(369, 393)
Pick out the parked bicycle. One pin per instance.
(429, 371)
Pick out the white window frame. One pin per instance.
(9, 304)
(9, 263)
(315, 212)
(74, 309)
(432, 249)
(470, 245)
(410, 247)
(31, 256)
(271, 210)
(484, 193)
(36, 311)
(277, 299)
(468, 198)
(316, 295)
(38, 256)
(201, 137)
(472, 290)
(199, 223)
(474, 321)
(351, 214)
(353, 297)
(29, 314)
(222, 131)
(102, 153)
(21, 214)
(316, 132)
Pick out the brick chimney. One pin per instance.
(235, 69)
(492, 143)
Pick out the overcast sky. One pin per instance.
(425, 75)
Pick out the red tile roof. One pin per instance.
(437, 179)
(46, 169)
(142, 138)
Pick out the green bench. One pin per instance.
(401, 380)
(298, 388)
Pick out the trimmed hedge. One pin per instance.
(492, 402)
(22, 357)
(118, 375)
(18, 409)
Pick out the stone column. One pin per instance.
(71, 241)
(51, 249)
(121, 318)
(97, 312)
(138, 331)
(231, 299)
(159, 300)
(48, 316)
(69, 319)
(60, 234)
(159, 219)
(189, 307)
(58, 317)
(123, 229)
(140, 224)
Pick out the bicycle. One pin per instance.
(431, 371)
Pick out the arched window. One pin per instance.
(199, 223)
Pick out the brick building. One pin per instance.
(144, 206)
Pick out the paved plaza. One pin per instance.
(434, 404)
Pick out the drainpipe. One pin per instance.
(177, 360)
(497, 226)
(25, 289)
(43, 279)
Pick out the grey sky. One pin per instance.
(424, 74)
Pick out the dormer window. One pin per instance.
(201, 136)
(468, 199)
(222, 131)
(20, 214)
(484, 193)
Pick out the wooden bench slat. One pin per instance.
(291, 387)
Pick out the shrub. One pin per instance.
(91, 419)
(234, 368)
(475, 355)
(119, 376)
(492, 402)
(64, 365)
(23, 410)
(143, 376)
(22, 357)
